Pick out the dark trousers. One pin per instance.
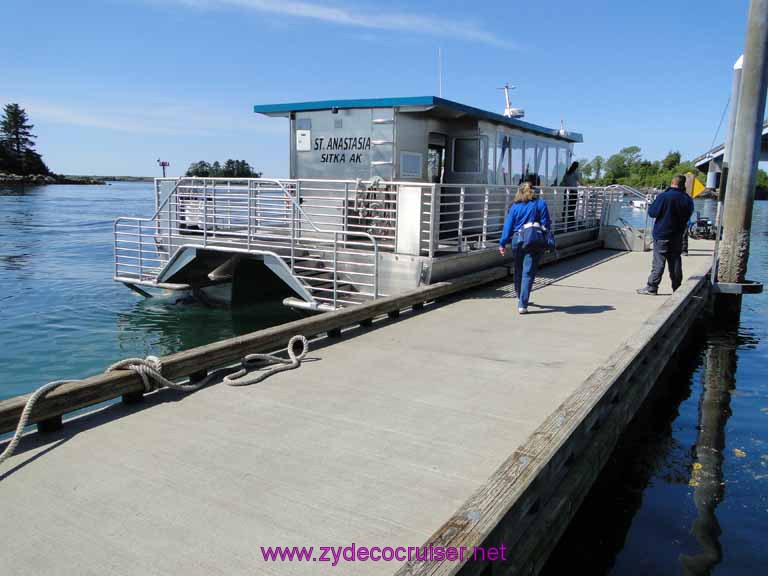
(684, 248)
(666, 252)
(526, 264)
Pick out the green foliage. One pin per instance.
(17, 146)
(671, 160)
(231, 169)
(631, 154)
(762, 179)
(597, 164)
(628, 167)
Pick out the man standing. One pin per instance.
(672, 209)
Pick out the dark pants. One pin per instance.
(526, 264)
(684, 248)
(666, 252)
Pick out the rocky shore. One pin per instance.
(40, 179)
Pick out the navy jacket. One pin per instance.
(521, 213)
(672, 210)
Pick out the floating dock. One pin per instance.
(435, 417)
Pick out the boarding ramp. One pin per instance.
(618, 233)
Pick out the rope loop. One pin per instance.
(242, 378)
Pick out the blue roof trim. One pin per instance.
(287, 108)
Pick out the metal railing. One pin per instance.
(337, 266)
(329, 232)
(463, 218)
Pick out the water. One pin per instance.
(62, 316)
(651, 512)
(686, 491)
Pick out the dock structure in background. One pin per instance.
(439, 417)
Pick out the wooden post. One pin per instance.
(742, 173)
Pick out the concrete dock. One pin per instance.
(380, 438)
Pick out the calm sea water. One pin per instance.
(686, 491)
(62, 315)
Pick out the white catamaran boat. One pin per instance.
(384, 195)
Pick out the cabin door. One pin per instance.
(436, 158)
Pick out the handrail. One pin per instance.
(628, 190)
(167, 198)
(299, 215)
(335, 233)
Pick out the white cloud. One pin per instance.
(159, 117)
(355, 17)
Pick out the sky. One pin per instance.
(113, 85)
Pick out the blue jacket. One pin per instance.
(672, 209)
(521, 213)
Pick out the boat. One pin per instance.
(384, 195)
(640, 204)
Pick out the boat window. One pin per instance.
(503, 154)
(552, 179)
(562, 163)
(489, 149)
(516, 158)
(410, 164)
(530, 161)
(541, 164)
(466, 155)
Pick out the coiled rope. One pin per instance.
(150, 370)
(243, 378)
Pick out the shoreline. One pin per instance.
(42, 180)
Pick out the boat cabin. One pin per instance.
(420, 139)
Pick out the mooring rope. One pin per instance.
(150, 370)
(242, 378)
(42, 391)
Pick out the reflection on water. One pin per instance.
(170, 324)
(635, 520)
(686, 490)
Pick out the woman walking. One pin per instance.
(527, 226)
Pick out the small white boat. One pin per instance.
(641, 204)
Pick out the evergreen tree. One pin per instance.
(201, 169)
(671, 160)
(17, 143)
(230, 169)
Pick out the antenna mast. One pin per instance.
(440, 71)
(510, 112)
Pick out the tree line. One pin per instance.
(230, 169)
(17, 144)
(629, 167)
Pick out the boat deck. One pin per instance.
(377, 439)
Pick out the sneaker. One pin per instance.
(522, 310)
(647, 291)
